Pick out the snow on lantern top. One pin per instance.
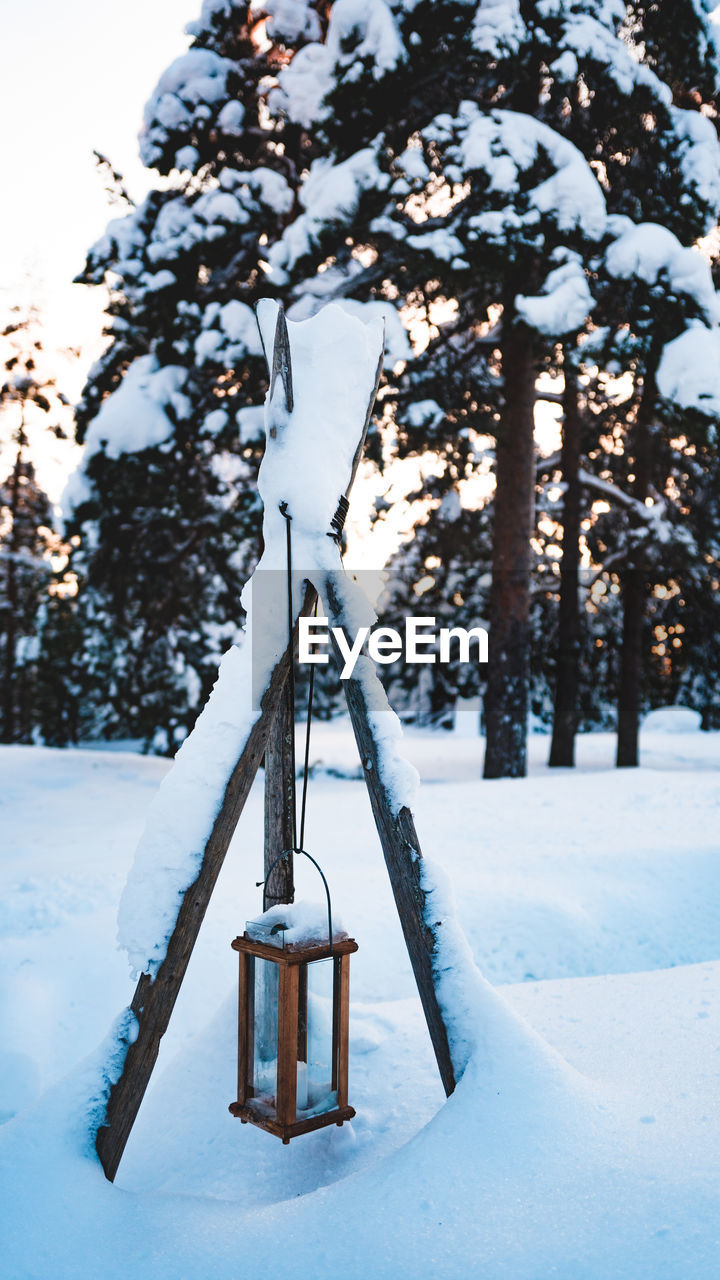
(297, 924)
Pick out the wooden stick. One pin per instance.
(279, 823)
(245, 1024)
(341, 1012)
(286, 1095)
(279, 767)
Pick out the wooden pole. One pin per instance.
(279, 770)
(403, 858)
(279, 823)
(279, 831)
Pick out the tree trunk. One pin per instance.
(634, 590)
(562, 748)
(506, 698)
(631, 668)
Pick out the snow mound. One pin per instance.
(528, 1168)
(583, 1148)
(672, 720)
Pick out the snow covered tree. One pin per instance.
(449, 204)
(683, 598)
(659, 164)
(585, 70)
(26, 542)
(667, 297)
(165, 507)
(451, 162)
(27, 535)
(438, 574)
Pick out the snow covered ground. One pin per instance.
(581, 1142)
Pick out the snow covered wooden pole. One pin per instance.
(366, 701)
(280, 749)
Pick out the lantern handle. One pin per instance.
(287, 853)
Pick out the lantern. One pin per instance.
(293, 1024)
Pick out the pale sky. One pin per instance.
(75, 75)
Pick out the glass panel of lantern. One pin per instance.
(319, 1084)
(293, 1028)
(265, 1002)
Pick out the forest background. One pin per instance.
(529, 194)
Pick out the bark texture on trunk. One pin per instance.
(634, 590)
(565, 717)
(506, 698)
(631, 668)
(279, 778)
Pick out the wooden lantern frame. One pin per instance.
(292, 962)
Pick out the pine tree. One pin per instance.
(665, 288)
(436, 575)
(27, 536)
(684, 54)
(450, 162)
(659, 165)
(455, 205)
(165, 508)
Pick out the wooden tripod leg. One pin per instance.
(403, 857)
(154, 999)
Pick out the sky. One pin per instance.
(75, 76)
